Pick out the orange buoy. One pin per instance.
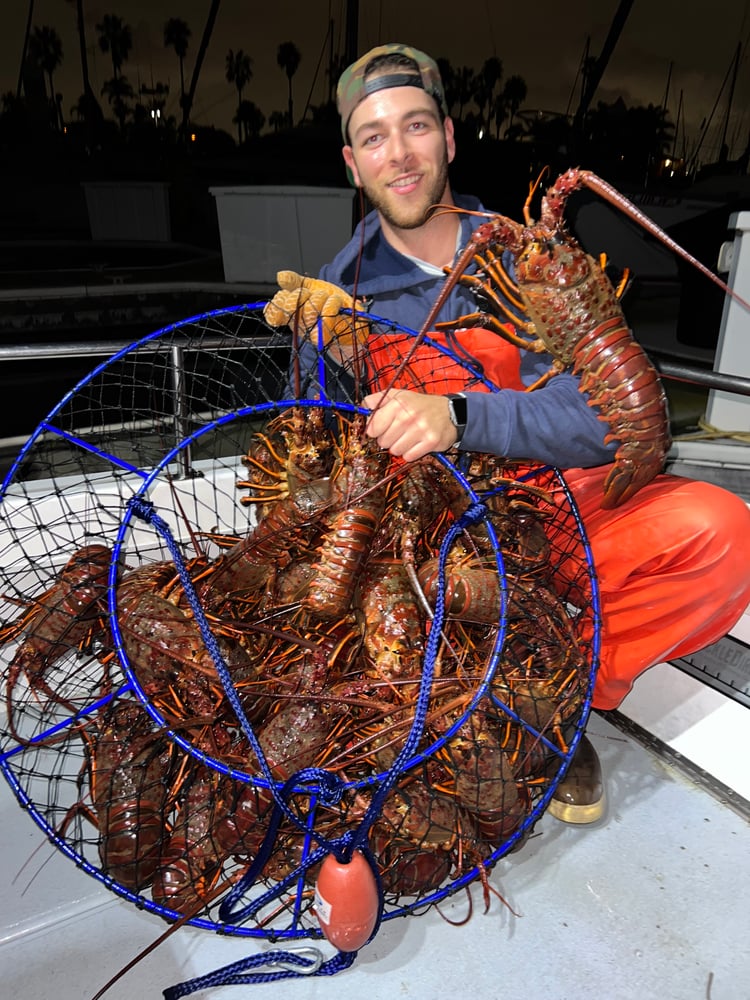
(347, 901)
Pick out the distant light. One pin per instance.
(481, 134)
(193, 136)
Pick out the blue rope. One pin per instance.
(145, 510)
(236, 974)
(473, 514)
(329, 787)
(228, 910)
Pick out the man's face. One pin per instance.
(399, 154)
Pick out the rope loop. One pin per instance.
(290, 965)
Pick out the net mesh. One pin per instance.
(352, 605)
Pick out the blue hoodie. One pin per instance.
(553, 425)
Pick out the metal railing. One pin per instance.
(180, 415)
(667, 368)
(676, 371)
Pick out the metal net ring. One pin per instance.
(120, 734)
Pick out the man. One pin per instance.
(671, 561)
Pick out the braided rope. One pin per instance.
(329, 787)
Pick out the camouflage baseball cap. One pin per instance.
(353, 87)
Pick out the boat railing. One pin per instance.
(715, 381)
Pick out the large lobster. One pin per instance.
(573, 313)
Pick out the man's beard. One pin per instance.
(411, 216)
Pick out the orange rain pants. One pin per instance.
(672, 563)
(673, 566)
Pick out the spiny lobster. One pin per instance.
(573, 313)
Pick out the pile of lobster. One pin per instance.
(321, 614)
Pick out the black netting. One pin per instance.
(201, 535)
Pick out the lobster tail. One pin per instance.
(624, 385)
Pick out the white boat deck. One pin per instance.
(651, 901)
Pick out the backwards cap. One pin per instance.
(353, 88)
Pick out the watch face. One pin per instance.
(457, 407)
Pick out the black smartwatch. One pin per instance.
(457, 412)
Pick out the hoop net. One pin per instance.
(236, 635)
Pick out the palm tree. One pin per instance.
(45, 48)
(118, 90)
(288, 59)
(202, 49)
(465, 86)
(79, 108)
(482, 99)
(450, 83)
(116, 38)
(498, 113)
(489, 77)
(239, 71)
(176, 36)
(277, 120)
(10, 102)
(250, 119)
(649, 134)
(514, 94)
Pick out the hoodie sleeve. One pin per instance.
(554, 424)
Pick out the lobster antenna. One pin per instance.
(533, 188)
(157, 942)
(355, 342)
(610, 194)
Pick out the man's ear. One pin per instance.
(351, 167)
(450, 139)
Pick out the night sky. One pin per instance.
(546, 50)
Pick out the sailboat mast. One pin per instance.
(597, 71)
(677, 131)
(665, 102)
(724, 149)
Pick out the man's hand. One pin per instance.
(301, 301)
(409, 424)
